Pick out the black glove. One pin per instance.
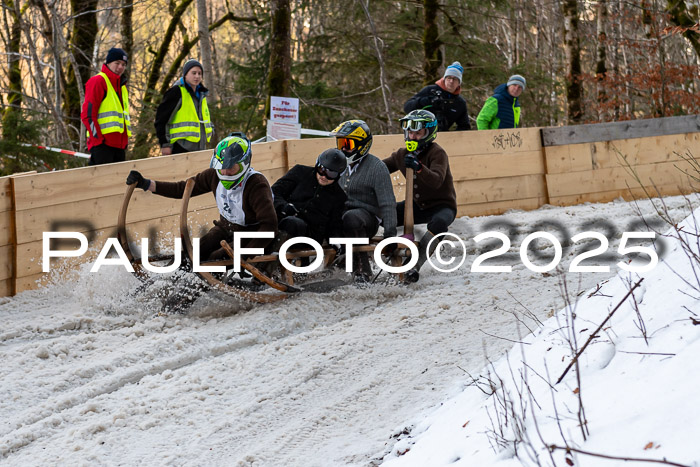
(289, 210)
(135, 177)
(412, 162)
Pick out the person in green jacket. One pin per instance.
(502, 110)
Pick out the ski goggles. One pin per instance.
(328, 173)
(416, 125)
(346, 144)
(238, 170)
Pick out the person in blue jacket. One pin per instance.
(502, 110)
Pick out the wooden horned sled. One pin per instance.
(277, 285)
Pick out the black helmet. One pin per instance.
(417, 120)
(331, 163)
(354, 139)
(231, 151)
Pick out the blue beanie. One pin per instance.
(115, 54)
(454, 70)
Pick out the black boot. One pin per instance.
(361, 269)
(423, 254)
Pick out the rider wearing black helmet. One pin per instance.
(308, 200)
(434, 196)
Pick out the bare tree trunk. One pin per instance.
(601, 71)
(127, 27)
(82, 43)
(60, 43)
(279, 76)
(42, 88)
(431, 43)
(13, 111)
(386, 91)
(616, 60)
(205, 49)
(516, 32)
(661, 54)
(572, 46)
(553, 58)
(140, 147)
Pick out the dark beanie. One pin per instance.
(115, 54)
(189, 64)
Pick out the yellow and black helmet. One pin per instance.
(354, 139)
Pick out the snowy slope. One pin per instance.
(638, 382)
(90, 375)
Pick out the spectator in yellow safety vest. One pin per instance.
(182, 122)
(105, 111)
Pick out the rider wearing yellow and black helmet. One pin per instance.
(368, 185)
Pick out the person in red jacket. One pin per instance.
(105, 111)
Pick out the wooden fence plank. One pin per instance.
(626, 194)
(161, 230)
(7, 267)
(498, 207)
(475, 167)
(7, 229)
(67, 186)
(501, 189)
(5, 194)
(597, 132)
(6, 287)
(22, 284)
(610, 179)
(639, 151)
(97, 213)
(460, 143)
(305, 151)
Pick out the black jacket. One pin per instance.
(321, 207)
(447, 107)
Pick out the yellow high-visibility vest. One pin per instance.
(186, 123)
(113, 114)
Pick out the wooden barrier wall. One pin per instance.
(7, 239)
(494, 171)
(601, 162)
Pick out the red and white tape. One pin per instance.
(62, 151)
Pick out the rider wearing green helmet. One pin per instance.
(434, 196)
(242, 194)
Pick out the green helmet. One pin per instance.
(416, 120)
(232, 151)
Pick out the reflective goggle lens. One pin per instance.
(328, 173)
(412, 125)
(345, 144)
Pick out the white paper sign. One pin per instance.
(284, 109)
(283, 130)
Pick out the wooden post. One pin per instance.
(408, 204)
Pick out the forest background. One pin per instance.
(585, 61)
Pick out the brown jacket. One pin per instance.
(257, 203)
(433, 185)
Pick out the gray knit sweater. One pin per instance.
(369, 187)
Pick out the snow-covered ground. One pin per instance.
(90, 375)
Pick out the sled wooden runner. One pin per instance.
(139, 271)
(208, 277)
